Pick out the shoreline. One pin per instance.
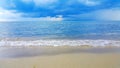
(20, 52)
(58, 42)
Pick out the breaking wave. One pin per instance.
(94, 43)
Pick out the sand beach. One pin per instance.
(59, 57)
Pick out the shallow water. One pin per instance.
(61, 30)
(73, 33)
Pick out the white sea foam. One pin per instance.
(93, 43)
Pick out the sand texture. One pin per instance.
(65, 60)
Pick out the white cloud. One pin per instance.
(12, 15)
(7, 4)
(41, 2)
(47, 18)
(27, 1)
(104, 14)
(89, 2)
(9, 14)
(44, 3)
(108, 14)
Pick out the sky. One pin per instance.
(59, 10)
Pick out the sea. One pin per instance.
(60, 33)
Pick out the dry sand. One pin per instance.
(65, 60)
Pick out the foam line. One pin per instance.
(93, 43)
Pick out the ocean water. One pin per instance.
(61, 33)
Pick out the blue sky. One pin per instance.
(58, 10)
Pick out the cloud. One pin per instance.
(89, 2)
(108, 14)
(40, 3)
(13, 15)
(49, 9)
(112, 14)
(9, 14)
(7, 4)
(47, 18)
(27, 1)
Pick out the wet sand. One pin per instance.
(59, 57)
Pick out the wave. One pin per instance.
(94, 43)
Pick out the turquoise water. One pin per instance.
(61, 30)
